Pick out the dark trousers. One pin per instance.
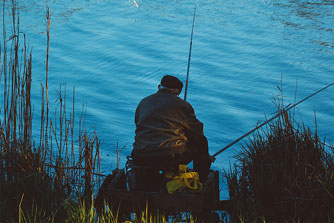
(198, 152)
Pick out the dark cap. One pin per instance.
(171, 82)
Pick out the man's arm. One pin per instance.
(191, 122)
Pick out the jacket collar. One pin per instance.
(168, 90)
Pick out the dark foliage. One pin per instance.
(283, 174)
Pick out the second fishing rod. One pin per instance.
(287, 108)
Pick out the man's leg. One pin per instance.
(198, 147)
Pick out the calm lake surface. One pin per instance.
(115, 53)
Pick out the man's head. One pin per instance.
(172, 83)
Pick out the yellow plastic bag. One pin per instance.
(183, 181)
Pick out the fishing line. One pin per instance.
(287, 108)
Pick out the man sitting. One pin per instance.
(168, 134)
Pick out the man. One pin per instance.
(168, 132)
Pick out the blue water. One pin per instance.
(115, 53)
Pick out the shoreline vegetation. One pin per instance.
(284, 173)
(38, 178)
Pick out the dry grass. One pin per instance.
(51, 180)
(65, 164)
(284, 174)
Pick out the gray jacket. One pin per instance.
(161, 122)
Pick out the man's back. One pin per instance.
(161, 120)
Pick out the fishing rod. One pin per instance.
(191, 43)
(287, 108)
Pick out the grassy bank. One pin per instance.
(285, 173)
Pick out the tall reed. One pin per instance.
(283, 174)
(60, 167)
